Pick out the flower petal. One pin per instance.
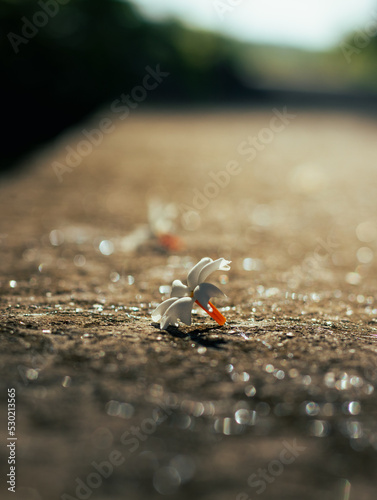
(180, 309)
(216, 265)
(205, 291)
(192, 277)
(160, 310)
(165, 322)
(179, 289)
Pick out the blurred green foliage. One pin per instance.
(359, 51)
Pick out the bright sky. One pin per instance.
(310, 24)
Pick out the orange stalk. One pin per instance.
(214, 313)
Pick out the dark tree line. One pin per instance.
(64, 58)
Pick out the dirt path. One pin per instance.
(280, 403)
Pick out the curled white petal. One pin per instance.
(180, 309)
(205, 291)
(193, 275)
(160, 310)
(165, 322)
(216, 265)
(179, 289)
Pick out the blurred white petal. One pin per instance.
(160, 310)
(179, 289)
(205, 291)
(192, 277)
(216, 265)
(161, 216)
(180, 309)
(165, 322)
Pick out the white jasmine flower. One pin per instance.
(183, 297)
(159, 231)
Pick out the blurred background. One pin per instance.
(87, 253)
(63, 60)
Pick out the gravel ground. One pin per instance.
(280, 402)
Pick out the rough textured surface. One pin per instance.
(195, 411)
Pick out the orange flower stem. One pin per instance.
(214, 313)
